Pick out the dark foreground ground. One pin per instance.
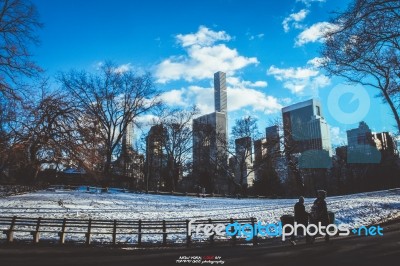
(353, 250)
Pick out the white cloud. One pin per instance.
(173, 97)
(320, 81)
(146, 120)
(259, 83)
(338, 137)
(203, 37)
(253, 37)
(286, 101)
(240, 97)
(317, 61)
(297, 80)
(294, 20)
(234, 81)
(123, 68)
(291, 73)
(308, 2)
(315, 33)
(203, 58)
(202, 97)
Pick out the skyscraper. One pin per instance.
(273, 142)
(156, 158)
(210, 138)
(384, 143)
(305, 128)
(359, 136)
(244, 174)
(260, 151)
(127, 137)
(220, 93)
(267, 154)
(130, 162)
(365, 146)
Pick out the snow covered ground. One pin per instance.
(355, 210)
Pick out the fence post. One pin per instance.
(10, 232)
(233, 237)
(164, 232)
(188, 234)
(88, 232)
(140, 233)
(62, 233)
(254, 232)
(36, 234)
(211, 236)
(114, 233)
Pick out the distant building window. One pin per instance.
(318, 111)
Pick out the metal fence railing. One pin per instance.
(137, 232)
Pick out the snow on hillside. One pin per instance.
(354, 210)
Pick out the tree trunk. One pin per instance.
(107, 165)
(393, 108)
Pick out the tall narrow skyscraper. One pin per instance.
(220, 93)
(127, 137)
(210, 155)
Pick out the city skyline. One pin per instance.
(160, 127)
(271, 60)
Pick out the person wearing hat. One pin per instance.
(319, 212)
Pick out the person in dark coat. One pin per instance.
(319, 212)
(300, 216)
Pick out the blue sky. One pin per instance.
(269, 50)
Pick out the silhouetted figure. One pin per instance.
(300, 216)
(319, 212)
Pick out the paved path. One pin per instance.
(354, 250)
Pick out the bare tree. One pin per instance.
(40, 131)
(282, 158)
(8, 112)
(244, 132)
(365, 48)
(109, 102)
(213, 151)
(245, 127)
(174, 141)
(18, 24)
(210, 156)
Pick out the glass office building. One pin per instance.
(305, 128)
